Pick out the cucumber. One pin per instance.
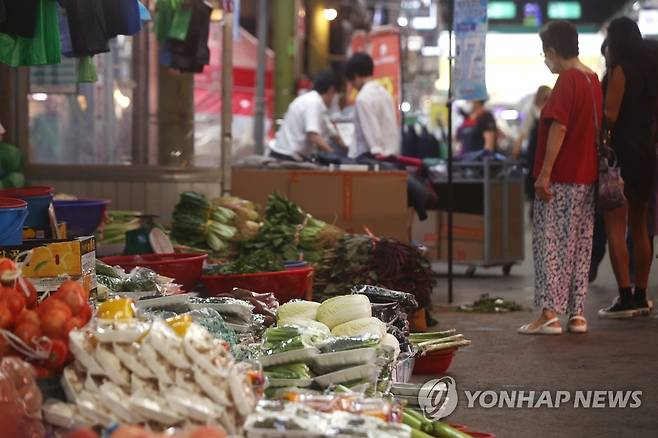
(442, 430)
(411, 421)
(418, 434)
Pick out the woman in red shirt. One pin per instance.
(565, 172)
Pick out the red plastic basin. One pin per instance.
(184, 268)
(436, 362)
(479, 434)
(285, 285)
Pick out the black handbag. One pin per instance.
(610, 190)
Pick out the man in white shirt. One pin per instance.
(376, 122)
(305, 125)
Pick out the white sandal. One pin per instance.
(544, 329)
(582, 328)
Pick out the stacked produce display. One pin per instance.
(135, 349)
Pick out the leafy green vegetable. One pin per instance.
(259, 261)
(289, 371)
(488, 304)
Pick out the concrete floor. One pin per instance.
(615, 355)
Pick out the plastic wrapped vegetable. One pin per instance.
(20, 400)
(342, 309)
(362, 326)
(344, 343)
(298, 309)
(381, 295)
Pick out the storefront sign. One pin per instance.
(470, 25)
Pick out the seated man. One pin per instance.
(304, 130)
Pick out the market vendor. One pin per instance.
(376, 123)
(479, 130)
(305, 128)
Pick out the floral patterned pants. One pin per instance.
(562, 247)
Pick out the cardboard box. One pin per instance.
(427, 233)
(33, 233)
(350, 200)
(468, 237)
(54, 261)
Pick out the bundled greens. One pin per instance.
(197, 223)
(435, 341)
(119, 222)
(362, 259)
(289, 371)
(263, 260)
(291, 233)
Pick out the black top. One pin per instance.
(632, 136)
(19, 18)
(471, 133)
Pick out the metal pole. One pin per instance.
(450, 188)
(227, 95)
(259, 115)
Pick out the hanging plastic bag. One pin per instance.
(144, 13)
(180, 24)
(44, 48)
(87, 70)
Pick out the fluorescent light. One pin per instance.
(40, 97)
(330, 14)
(431, 51)
(403, 21)
(122, 100)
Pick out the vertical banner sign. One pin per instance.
(470, 24)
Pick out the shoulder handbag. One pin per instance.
(610, 190)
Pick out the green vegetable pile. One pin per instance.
(198, 224)
(291, 233)
(488, 304)
(120, 222)
(263, 260)
(388, 263)
(289, 371)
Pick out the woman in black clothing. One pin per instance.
(629, 108)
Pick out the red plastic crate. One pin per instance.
(285, 285)
(185, 269)
(436, 362)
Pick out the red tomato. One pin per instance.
(72, 286)
(6, 265)
(15, 300)
(5, 348)
(75, 323)
(28, 333)
(59, 354)
(6, 317)
(43, 372)
(26, 287)
(53, 304)
(54, 324)
(85, 313)
(30, 316)
(81, 433)
(73, 298)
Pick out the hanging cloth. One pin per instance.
(43, 48)
(20, 17)
(88, 27)
(191, 55)
(65, 34)
(122, 17)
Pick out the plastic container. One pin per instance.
(13, 213)
(285, 285)
(82, 216)
(185, 269)
(436, 362)
(38, 200)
